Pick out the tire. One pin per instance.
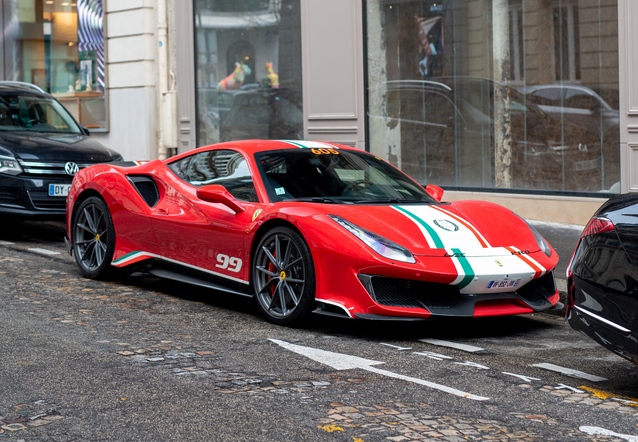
(93, 239)
(283, 277)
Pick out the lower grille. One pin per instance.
(406, 293)
(41, 200)
(444, 299)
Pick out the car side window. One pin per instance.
(550, 96)
(225, 167)
(581, 100)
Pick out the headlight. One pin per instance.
(379, 244)
(542, 242)
(9, 166)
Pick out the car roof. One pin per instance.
(21, 86)
(253, 146)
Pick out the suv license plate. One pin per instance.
(59, 189)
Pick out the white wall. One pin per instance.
(131, 43)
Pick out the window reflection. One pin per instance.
(248, 70)
(496, 94)
(59, 46)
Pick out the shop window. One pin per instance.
(567, 38)
(248, 70)
(59, 46)
(491, 94)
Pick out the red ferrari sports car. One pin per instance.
(306, 226)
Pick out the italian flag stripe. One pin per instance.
(538, 269)
(469, 226)
(467, 274)
(438, 243)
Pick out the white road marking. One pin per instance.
(396, 346)
(449, 344)
(432, 355)
(473, 364)
(570, 372)
(563, 386)
(520, 376)
(340, 361)
(594, 431)
(43, 251)
(6, 243)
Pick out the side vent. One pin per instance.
(146, 187)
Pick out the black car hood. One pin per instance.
(54, 147)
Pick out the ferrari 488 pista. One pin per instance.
(306, 226)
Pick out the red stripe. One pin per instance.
(539, 270)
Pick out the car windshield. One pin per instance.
(335, 176)
(34, 113)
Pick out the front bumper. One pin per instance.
(28, 197)
(438, 299)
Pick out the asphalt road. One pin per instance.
(146, 359)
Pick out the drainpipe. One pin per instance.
(168, 94)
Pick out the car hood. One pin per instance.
(54, 146)
(469, 227)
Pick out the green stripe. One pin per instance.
(467, 268)
(296, 144)
(436, 238)
(121, 258)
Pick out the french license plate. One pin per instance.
(59, 189)
(503, 284)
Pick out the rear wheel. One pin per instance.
(93, 238)
(284, 277)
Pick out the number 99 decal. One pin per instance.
(228, 263)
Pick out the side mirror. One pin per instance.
(434, 191)
(215, 193)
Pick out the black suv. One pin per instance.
(41, 148)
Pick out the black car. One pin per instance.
(603, 278)
(41, 149)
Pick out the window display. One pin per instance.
(248, 70)
(58, 45)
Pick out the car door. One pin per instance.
(203, 235)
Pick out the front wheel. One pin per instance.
(284, 277)
(93, 238)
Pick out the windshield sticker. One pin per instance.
(280, 191)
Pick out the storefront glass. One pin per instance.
(496, 94)
(58, 45)
(248, 69)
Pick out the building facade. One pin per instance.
(531, 104)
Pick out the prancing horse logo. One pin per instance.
(71, 168)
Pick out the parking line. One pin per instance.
(570, 372)
(463, 347)
(43, 251)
